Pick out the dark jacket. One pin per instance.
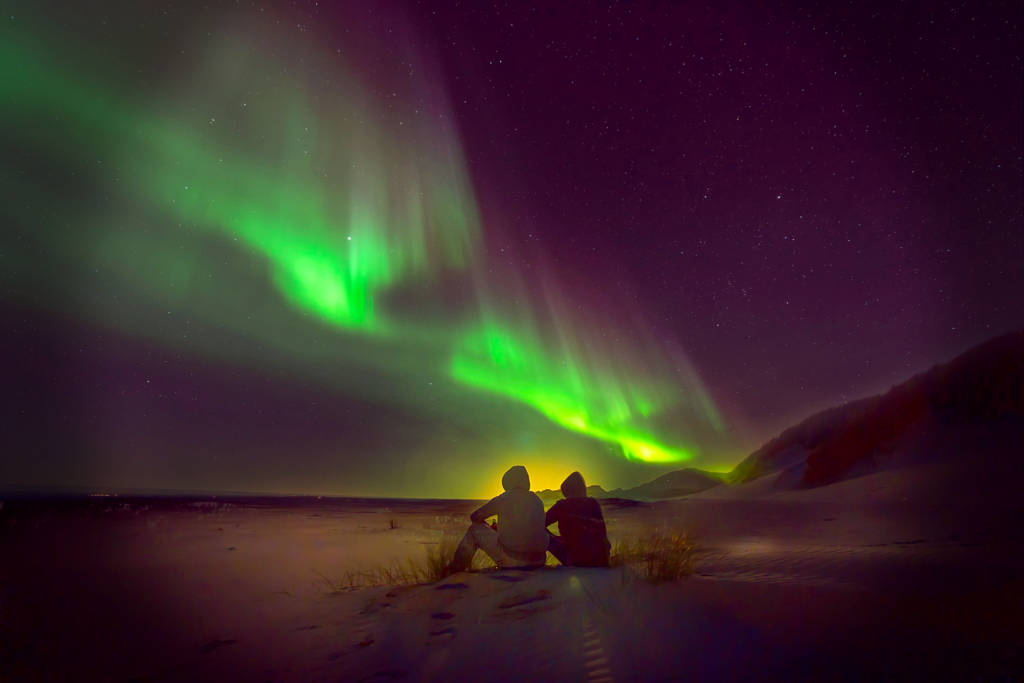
(580, 524)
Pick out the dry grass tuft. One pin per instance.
(445, 535)
(656, 557)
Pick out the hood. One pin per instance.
(574, 486)
(516, 478)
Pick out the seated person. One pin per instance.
(520, 539)
(584, 538)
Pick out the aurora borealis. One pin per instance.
(343, 203)
(307, 199)
(337, 227)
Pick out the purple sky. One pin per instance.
(812, 202)
(816, 202)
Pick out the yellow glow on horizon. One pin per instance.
(549, 470)
(546, 472)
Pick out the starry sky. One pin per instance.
(390, 249)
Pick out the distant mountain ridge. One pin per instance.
(671, 485)
(981, 386)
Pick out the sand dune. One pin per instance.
(956, 465)
(954, 435)
(784, 590)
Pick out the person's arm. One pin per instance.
(603, 527)
(488, 509)
(553, 514)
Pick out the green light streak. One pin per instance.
(341, 216)
(334, 246)
(564, 389)
(339, 201)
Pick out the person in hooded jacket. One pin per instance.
(584, 538)
(520, 540)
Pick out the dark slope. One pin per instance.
(981, 386)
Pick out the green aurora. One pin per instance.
(292, 177)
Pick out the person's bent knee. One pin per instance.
(482, 532)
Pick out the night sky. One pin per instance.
(390, 249)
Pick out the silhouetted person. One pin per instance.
(584, 538)
(520, 539)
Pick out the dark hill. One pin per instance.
(980, 386)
